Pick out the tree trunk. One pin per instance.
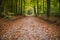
(59, 6)
(48, 8)
(21, 7)
(24, 9)
(34, 10)
(16, 6)
(43, 6)
(0, 2)
(1, 7)
(37, 8)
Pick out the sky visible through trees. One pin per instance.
(27, 7)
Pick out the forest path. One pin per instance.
(29, 28)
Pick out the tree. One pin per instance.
(59, 6)
(37, 8)
(16, 6)
(21, 8)
(24, 8)
(1, 7)
(1, 2)
(43, 6)
(34, 6)
(48, 8)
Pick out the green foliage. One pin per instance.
(19, 7)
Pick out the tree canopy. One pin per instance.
(21, 7)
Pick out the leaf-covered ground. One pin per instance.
(28, 28)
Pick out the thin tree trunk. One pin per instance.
(5, 8)
(34, 10)
(1, 7)
(59, 6)
(21, 8)
(24, 9)
(43, 6)
(37, 8)
(48, 8)
(16, 6)
(11, 5)
(0, 2)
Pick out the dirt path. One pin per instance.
(29, 28)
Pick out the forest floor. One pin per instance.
(28, 28)
(52, 19)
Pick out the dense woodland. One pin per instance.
(23, 7)
(29, 19)
(41, 8)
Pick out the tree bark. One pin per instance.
(43, 6)
(48, 8)
(37, 8)
(34, 10)
(24, 9)
(21, 8)
(59, 6)
(16, 6)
